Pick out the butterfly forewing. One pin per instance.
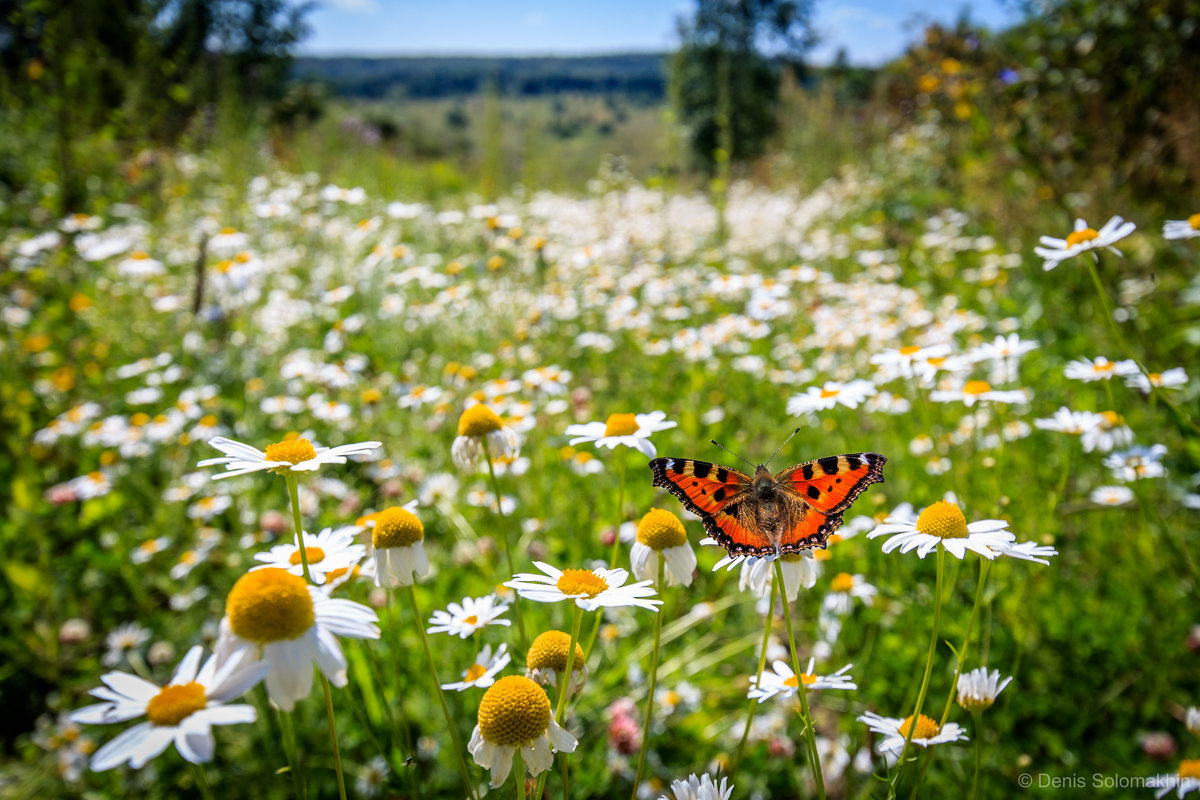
(831, 484)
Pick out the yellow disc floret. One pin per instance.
(973, 702)
(943, 520)
(476, 672)
(267, 605)
(396, 527)
(1190, 767)
(977, 387)
(581, 582)
(312, 554)
(1079, 237)
(1194, 221)
(842, 582)
(549, 651)
(514, 712)
(926, 728)
(794, 682)
(291, 451)
(478, 420)
(621, 425)
(660, 529)
(175, 703)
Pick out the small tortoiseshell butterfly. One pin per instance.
(768, 515)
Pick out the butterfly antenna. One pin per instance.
(735, 455)
(777, 449)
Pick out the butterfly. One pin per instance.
(769, 515)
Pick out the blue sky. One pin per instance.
(872, 31)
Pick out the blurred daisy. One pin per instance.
(480, 427)
(702, 788)
(900, 361)
(1186, 780)
(630, 430)
(294, 455)
(482, 673)
(1111, 495)
(547, 659)
(895, 731)
(397, 535)
(783, 681)
(373, 777)
(1099, 369)
(973, 392)
(833, 393)
(660, 534)
(978, 688)
(326, 552)
(1067, 421)
(275, 617)
(1137, 462)
(182, 712)
(474, 613)
(944, 524)
(844, 589)
(1168, 379)
(515, 714)
(590, 589)
(122, 639)
(1081, 240)
(682, 697)
(1182, 228)
(800, 570)
(1107, 430)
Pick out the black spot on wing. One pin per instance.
(719, 494)
(829, 464)
(814, 492)
(731, 509)
(807, 472)
(722, 475)
(701, 468)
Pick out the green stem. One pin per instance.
(519, 774)
(289, 746)
(202, 782)
(641, 763)
(293, 485)
(762, 664)
(810, 728)
(984, 565)
(507, 549)
(978, 734)
(333, 738)
(916, 715)
(437, 685)
(564, 685)
(616, 545)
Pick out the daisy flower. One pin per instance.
(480, 427)
(783, 681)
(895, 731)
(1067, 421)
(631, 430)
(844, 589)
(1182, 228)
(1186, 780)
(547, 658)
(590, 589)
(1108, 430)
(515, 714)
(483, 672)
(1137, 462)
(121, 640)
(1099, 369)
(821, 398)
(900, 361)
(661, 534)
(327, 552)
(1111, 495)
(799, 570)
(397, 535)
(182, 712)
(275, 617)
(702, 788)
(373, 778)
(978, 688)
(1081, 240)
(474, 613)
(1169, 379)
(973, 392)
(944, 524)
(290, 455)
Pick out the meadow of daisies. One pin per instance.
(456, 403)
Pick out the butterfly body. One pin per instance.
(790, 512)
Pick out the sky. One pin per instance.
(872, 31)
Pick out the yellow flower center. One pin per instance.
(478, 420)
(943, 520)
(977, 387)
(268, 605)
(804, 676)
(842, 582)
(581, 582)
(936, 361)
(973, 703)
(1111, 418)
(926, 728)
(175, 703)
(909, 350)
(621, 425)
(549, 651)
(313, 554)
(396, 527)
(475, 673)
(1104, 366)
(1194, 221)
(228, 231)
(660, 529)
(1190, 767)
(514, 712)
(291, 451)
(471, 620)
(827, 393)
(1079, 237)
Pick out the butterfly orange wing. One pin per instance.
(826, 487)
(710, 491)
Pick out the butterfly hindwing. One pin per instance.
(716, 494)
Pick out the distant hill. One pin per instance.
(639, 76)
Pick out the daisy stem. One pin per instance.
(810, 728)
(289, 746)
(916, 715)
(978, 734)
(641, 763)
(564, 687)
(293, 485)
(616, 549)
(333, 738)
(437, 685)
(519, 774)
(507, 550)
(762, 664)
(202, 782)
